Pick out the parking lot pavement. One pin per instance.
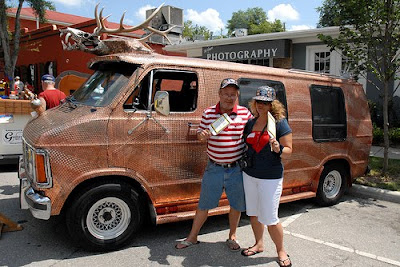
(355, 232)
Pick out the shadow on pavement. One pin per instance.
(9, 167)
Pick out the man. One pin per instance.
(51, 96)
(18, 85)
(222, 171)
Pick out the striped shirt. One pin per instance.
(227, 146)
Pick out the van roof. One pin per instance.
(158, 59)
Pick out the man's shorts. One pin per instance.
(217, 178)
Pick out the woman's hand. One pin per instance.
(204, 135)
(275, 145)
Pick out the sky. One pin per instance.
(213, 14)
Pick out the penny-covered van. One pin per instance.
(122, 150)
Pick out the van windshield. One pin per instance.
(105, 83)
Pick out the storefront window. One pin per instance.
(322, 61)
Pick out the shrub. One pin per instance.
(377, 135)
(394, 136)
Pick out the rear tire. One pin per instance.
(332, 185)
(104, 216)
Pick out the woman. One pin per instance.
(263, 176)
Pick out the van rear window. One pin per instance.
(328, 113)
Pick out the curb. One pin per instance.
(363, 191)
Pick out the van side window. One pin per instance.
(182, 88)
(248, 88)
(328, 113)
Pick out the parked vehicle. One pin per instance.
(122, 150)
(14, 114)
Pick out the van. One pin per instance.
(122, 150)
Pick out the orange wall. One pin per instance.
(47, 47)
(44, 45)
(30, 24)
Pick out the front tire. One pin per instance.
(104, 216)
(332, 185)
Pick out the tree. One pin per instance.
(255, 20)
(330, 14)
(266, 26)
(369, 33)
(190, 31)
(10, 41)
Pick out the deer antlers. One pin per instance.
(101, 28)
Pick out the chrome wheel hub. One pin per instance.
(108, 218)
(332, 184)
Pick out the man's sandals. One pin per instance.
(233, 245)
(185, 244)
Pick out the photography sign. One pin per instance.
(245, 51)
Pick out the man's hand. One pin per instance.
(204, 135)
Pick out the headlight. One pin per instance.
(37, 166)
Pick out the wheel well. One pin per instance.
(143, 196)
(341, 162)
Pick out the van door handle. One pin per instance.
(191, 124)
(192, 129)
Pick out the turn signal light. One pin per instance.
(40, 169)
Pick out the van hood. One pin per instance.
(68, 125)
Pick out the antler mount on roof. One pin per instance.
(90, 42)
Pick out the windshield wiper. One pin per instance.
(72, 103)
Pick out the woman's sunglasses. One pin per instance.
(262, 102)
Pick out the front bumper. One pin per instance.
(39, 205)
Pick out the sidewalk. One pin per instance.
(377, 151)
(377, 193)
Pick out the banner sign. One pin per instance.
(245, 51)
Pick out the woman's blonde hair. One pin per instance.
(277, 109)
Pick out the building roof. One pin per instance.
(53, 17)
(61, 19)
(298, 36)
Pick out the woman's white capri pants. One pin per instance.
(262, 198)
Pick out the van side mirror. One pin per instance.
(161, 103)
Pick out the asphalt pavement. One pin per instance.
(354, 232)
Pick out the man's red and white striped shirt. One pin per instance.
(227, 146)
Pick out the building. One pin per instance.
(291, 50)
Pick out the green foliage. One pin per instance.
(377, 135)
(328, 14)
(40, 7)
(390, 181)
(255, 20)
(369, 33)
(394, 136)
(190, 31)
(264, 27)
